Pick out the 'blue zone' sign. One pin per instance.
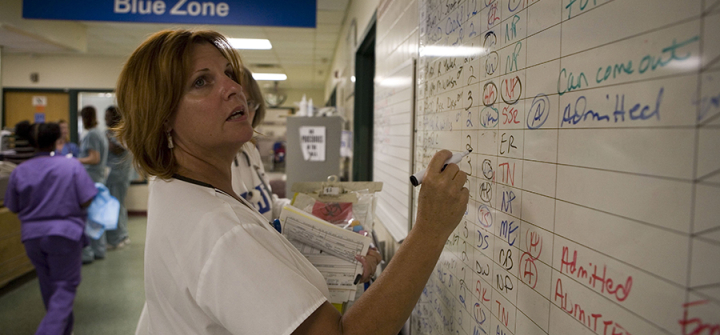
(278, 13)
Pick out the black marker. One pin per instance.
(417, 178)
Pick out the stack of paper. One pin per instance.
(329, 248)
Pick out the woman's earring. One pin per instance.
(170, 142)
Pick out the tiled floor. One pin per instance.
(109, 300)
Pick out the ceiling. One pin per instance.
(304, 54)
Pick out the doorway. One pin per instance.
(363, 109)
(101, 101)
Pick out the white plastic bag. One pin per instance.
(103, 213)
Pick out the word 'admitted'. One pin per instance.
(181, 8)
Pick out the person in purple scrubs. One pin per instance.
(50, 194)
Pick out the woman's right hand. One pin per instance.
(443, 198)
(387, 304)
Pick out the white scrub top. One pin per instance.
(214, 266)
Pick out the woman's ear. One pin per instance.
(169, 123)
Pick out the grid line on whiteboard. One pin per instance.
(707, 240)
(712, 7)
(696, 153)
(557, 172)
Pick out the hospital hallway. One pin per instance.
(109, 299)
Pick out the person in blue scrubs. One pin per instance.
(63, 146)
(93, 155)
(120, 163)
(50, 194)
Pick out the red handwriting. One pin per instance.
(510, 114)
(533, 243)
(493, 15)
(485, 216)
(528, 270)
(507, 174)
(616, 329)
(511, 88)
(696, 326)
(489, 94)
(620, 291)
(607, 285)
(588, 319)
(502, 314)
(481, 291)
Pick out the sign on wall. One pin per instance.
(312, 142)
(279, 13)
(39, 101)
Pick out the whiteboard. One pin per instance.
(595, 171)
(392, 147)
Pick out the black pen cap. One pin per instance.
(414, 181)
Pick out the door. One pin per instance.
(35, 106)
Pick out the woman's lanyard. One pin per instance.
(247, 204)
(273, 223)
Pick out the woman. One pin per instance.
(93, 155)
(213, 264)
(248, 173)
(118, 180)
(250, 182)
(64, 146)
(49, 193)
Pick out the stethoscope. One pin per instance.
(252, 193)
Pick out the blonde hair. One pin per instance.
(149, 90)
(252, 87)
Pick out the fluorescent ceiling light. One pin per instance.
(395, 81)
(687, 64)
(269, 76)
(250, 43)
(451, 51)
